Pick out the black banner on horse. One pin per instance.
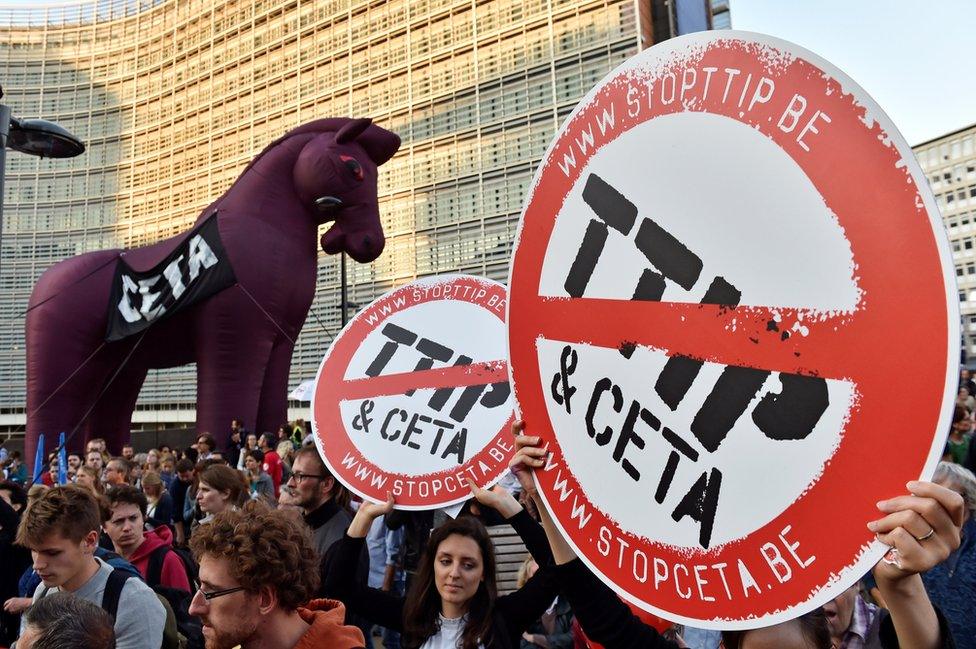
(195, 270)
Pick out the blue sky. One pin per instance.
(910, 56)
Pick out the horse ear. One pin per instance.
(352, 130)
(380, 144)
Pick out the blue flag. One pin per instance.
(39, 459)
(62, 461)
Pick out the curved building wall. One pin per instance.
(173, 98)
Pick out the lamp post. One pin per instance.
(33, 137)
(343, 290)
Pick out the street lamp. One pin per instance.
(33, 137)
(42, 138)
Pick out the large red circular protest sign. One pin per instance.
(733, 320)
(413, 395)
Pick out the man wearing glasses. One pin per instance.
(257, 575)
(323, 500)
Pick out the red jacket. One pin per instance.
(272, 466)
(174, 573)
(326, 617)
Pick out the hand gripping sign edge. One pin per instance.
(332, 436)
(936, 306)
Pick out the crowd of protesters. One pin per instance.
(257, 545)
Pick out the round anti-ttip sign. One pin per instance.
(733, 319)
(413, 395)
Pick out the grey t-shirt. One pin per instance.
(141, 617)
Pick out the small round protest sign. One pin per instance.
(733, 320)
(413, 395)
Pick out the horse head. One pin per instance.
(335, 178)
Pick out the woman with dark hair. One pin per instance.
(453, 601)
(220, 487)
(259, 482)
(250, 444)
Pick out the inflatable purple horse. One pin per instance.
(230, 295)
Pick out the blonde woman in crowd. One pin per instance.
(152, 461)
(287, 454)
(90, 479)
(167, 468)
(160, 509)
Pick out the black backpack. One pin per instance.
(188, 625)
(154, 571)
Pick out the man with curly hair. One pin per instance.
(258, 569)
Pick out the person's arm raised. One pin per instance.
(529, 456)
(515, 515)
(366, 514)
(601, 614)
(922, 529)
(339, 573)
(497, 498)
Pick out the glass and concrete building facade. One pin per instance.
(949, 163)
(721, 16)
(174, 97)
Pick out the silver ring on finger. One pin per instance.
(922, 538)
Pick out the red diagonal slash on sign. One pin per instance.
(738, 336)
(458, 376)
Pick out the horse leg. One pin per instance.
(57, 403)
(273, 407)
(111, 418)
(66, 359)
(232, 346)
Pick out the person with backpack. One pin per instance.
(61, 530)
(169, 571)
(126, 522)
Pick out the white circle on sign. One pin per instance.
(782, 236)
(412, 397)
(482, 336)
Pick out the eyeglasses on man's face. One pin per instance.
(218, 593)
(299, 476)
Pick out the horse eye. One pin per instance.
(353, 166)
(328, 204)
